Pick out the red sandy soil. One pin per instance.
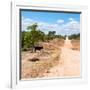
(69, 64)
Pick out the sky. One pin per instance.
(64, 23)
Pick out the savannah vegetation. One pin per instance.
(46, 59)
(75, 40)
(75, 36)
(33, 36)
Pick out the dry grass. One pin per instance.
(43, 66)
(75, 44)
(59, 42)
(47, 59)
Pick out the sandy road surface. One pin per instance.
(69, 64)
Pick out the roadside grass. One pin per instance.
(39, 67)
(45, 60)
(75, 44)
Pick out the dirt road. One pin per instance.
(69, 64)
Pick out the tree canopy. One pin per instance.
(32, 36)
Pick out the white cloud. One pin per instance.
(26, 22)
(60, 21)
(47, 27)
(72, 26)
(71, 19)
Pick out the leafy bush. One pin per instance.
(75, 36)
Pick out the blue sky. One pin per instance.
(61, 22)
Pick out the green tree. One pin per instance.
(75, 36)
(31, 37)
(51, 35)
(32, 27)
(22, 38)
(25, 40)
(35, 35)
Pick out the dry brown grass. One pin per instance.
(43, 66)
(48, 58)
(59, 42)
(45, 60)
(75, 44)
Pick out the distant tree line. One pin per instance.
(75, 36)
(33, 36)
